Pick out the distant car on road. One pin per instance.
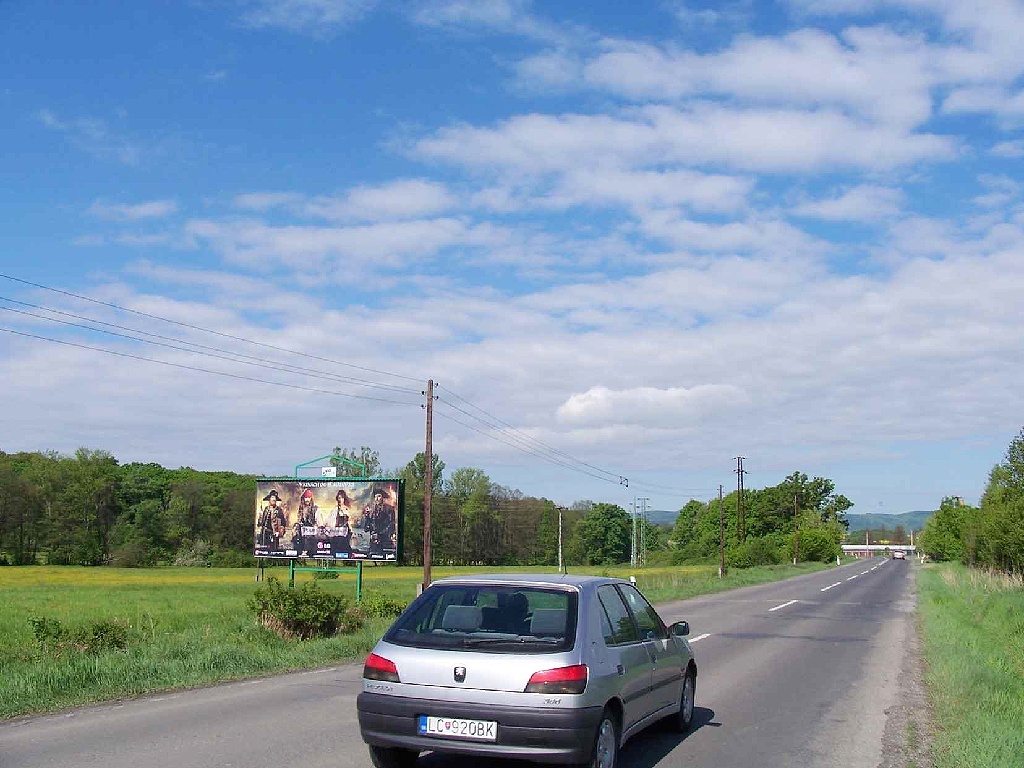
(552, 668)
(899, 554)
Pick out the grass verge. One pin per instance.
(973, 627)
(186, 627)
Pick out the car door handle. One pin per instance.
(620, 669)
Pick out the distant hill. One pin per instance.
(662, 516)
(911, 521)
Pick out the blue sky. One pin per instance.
(641, 241)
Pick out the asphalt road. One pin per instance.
(795, 673)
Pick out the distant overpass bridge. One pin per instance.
(871, 550)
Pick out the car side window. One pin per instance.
(616, 622)
(651, 625)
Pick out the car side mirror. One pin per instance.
(680, 628)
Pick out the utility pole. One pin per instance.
(796, 530)
(428, 480)
(642, 558)
(721, 537)
(741, 523)
(632, 535)
(560, 569)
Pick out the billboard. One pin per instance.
(336, 519)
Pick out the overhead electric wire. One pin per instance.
(549, 459)
(205, 370)
(525, 437)
(202, 329)
(236, 357)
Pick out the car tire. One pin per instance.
(606, 742)
(682, 720)
(392, 757)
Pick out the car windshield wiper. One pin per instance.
(471, 642)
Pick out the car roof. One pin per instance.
(543, 579)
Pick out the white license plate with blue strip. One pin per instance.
(458, 728)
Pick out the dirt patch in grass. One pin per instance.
(907, 740)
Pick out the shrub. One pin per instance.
(764, 550)
(819, 544)
(382, 607)
(196, 553)
(303, 612)
(54, 639)
(325, 574)
(231, 558)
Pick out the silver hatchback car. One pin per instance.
(550, 668)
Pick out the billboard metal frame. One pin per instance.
(339, 565)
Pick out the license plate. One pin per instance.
(458, 728)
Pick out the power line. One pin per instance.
(225, 354)
(203, 370)
(520, 448)
(202, 329)
(528, 445)
(523, 435)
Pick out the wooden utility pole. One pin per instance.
(721, 537)
(428, 480)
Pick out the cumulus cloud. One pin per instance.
(399, 199)
(648, 406)
(151, 209)
(866, 202)
(773, 140)
(317, 17)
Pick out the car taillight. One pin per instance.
(379, 668)
(561, 680)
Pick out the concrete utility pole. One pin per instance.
(560, 569)
(721, 537)
(428, 480)
(796, 530)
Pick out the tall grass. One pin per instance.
(973, 626)
(190, 626)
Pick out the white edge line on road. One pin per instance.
(700, 637)
(777, 607)
(826, 589)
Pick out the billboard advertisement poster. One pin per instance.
(337, 519)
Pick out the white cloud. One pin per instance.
(334, 251)
(396, 200)
(512, 17)
(866, 202)
(151, 209)
(1008, 148)
(876, 74)
(317, 17)
(673, 407)
(94, 137)
(772, 140)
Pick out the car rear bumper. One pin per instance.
(542, 735)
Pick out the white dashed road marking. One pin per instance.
(700, 637)
(777, 607)
(830, 586)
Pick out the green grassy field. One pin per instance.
(973, 626)
(190, 626)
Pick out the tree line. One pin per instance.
(88, 509)
(990, 535)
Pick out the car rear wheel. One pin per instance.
(682, 720)
(606, 742)
(392, 757)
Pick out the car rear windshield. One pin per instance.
(496, 618)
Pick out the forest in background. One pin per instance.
(89, 509)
